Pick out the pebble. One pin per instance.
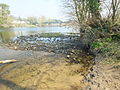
(15, 47)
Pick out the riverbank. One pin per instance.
(38, 71)
(55, 63)
(55, 68)
(105, 75)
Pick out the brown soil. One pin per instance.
(49, 71)
(39, 71)
(105, 76)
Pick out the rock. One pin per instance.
(68, 56)
(15, 47)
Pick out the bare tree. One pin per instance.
(115, 9)
(111, 8)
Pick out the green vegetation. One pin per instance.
(4, 15)
(109, 47)
(99, 31)
(6, 20)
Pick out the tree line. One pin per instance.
(7, 20)
(4, 15)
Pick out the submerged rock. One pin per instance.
(66, 45)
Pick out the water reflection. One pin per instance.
(9, 34)
(6, 36)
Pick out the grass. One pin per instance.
(108, 48)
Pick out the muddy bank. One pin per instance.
(38, 71)
(63, 68)
(55, 64)
(103, 76)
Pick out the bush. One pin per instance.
(106, 47)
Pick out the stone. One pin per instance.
(15, 47)
(68, 56)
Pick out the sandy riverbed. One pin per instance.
(39, 71)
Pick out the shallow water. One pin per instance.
(9, 34)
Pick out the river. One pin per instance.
(8, 34)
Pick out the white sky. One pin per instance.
(26, 8)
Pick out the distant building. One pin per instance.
(19, 22)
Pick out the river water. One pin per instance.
(9, 34)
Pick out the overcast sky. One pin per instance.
(25, 8)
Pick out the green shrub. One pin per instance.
(106, 46)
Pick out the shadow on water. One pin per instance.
(6, 36)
